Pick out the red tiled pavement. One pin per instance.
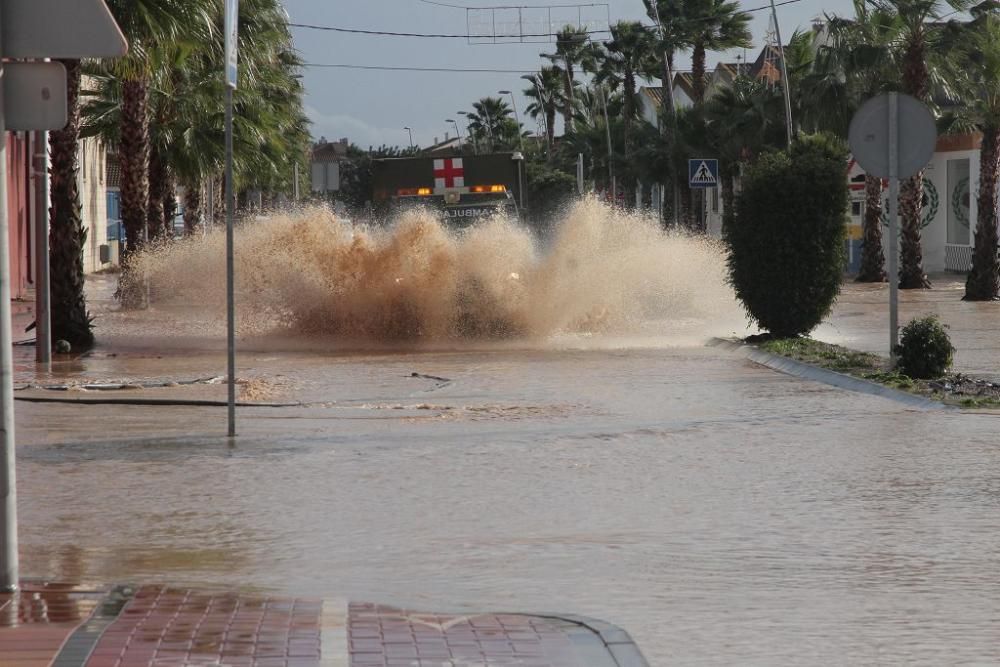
(382, 636)
(167, 627)
(158, 626)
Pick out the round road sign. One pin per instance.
(916, 135)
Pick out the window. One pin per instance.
(856, 209)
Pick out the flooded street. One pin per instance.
(721, 512)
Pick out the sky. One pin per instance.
(371, 107)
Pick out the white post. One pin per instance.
(43, 315)
(893, 226)
(8, 488)
(230, 267)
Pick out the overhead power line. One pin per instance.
(552, 6)
(394, 68)
(460, 70)
(388, 33)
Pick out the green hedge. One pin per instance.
(786, 254)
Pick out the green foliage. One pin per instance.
(925, 350)
(785, 243)
(548, 191)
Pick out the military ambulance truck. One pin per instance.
(461, 190)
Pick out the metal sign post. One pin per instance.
(893, 173)
(232, 16)
(43, 317)
(35, 99)
(875, 134)
(8, 489)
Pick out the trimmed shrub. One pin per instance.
(925, 350)
(786, 255)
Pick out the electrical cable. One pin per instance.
(387, 33)
(393, 68)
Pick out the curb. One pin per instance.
(623, 649)
(806, 371)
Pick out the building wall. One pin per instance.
(93, 200)
(18, 211)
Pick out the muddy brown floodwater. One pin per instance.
(722, 513)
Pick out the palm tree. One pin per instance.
(145, 24)
(70, 320)
(715, 25)
(858, 63)
(546, 93)
(919, 35)
(491, 122)
(628, 54)
(675, 34)
(980, 66)
(572, 49)
(743, 120)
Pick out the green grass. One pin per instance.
(869, 367)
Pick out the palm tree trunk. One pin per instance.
(568, 98)
(169, 200)
(687, 208)
(983, 282)
(192, 208)
(67, 236)
(157, 185)
(872, 258)
(219, 192)
(911, 269)
(550, 122)
(698, 74)
(133, 156)
(727, 173)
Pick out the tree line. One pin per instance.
(159, 110)
(918, 47)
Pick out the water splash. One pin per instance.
(601, 271)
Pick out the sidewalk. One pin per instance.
(53, 625)
(860, 320)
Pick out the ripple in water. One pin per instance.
(600, 271)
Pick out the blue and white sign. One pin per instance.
(703, 173)
(232, 40)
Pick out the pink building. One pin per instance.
(19, 146)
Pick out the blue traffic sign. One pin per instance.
(703, 173)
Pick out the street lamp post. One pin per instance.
(411, 136)
(517, 119)
(468, 127)
(458, 132)
(541, 106)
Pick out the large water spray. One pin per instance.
(600, 271)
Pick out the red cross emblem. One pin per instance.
(449, 173)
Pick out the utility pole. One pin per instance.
(517, 119)
(411, 136)
(668, 86)
(611, 154)
(784, 75)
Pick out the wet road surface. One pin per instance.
(718, 511)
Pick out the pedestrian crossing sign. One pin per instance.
(703, 173)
